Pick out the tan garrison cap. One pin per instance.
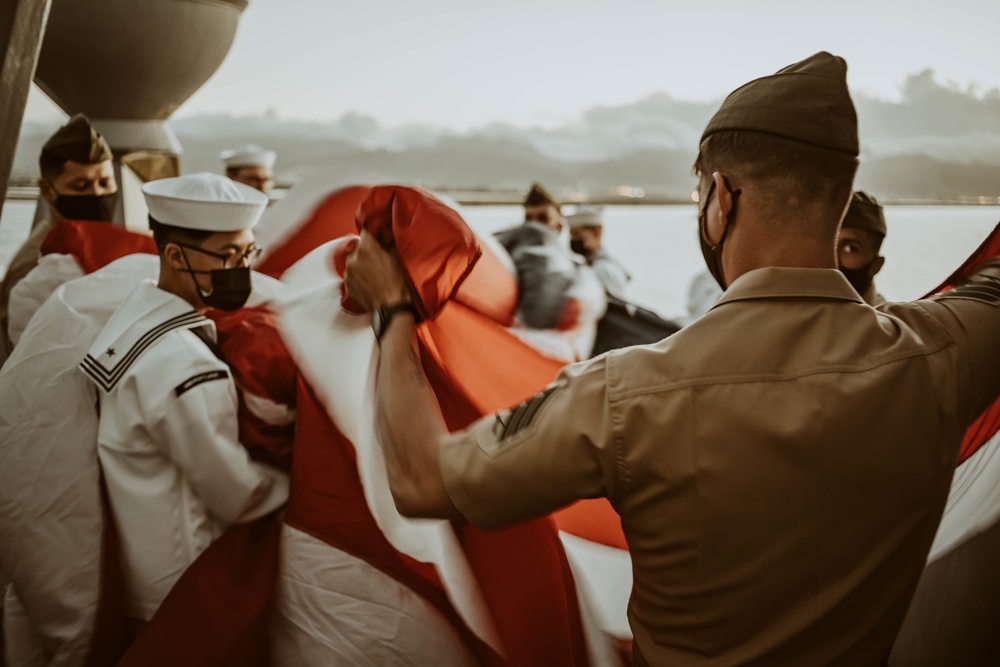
(807, 102)
(864, 212)
(538, 195)
(78, 141)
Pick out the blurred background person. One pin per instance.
(251, 165)
(585, 228)
(541, 207)
(560, 299)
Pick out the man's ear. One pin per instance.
(717, 218)
(877, 265)
(722, 191)
(173, 257)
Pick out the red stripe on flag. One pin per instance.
(594, 520)
(95, 244)
(333, 218)
(522, 570)
(110, 637)
(216, 615)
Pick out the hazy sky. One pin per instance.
(466, 63)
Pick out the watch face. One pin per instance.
(378, 322)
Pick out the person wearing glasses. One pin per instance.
(175, 471)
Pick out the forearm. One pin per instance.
(410, 425)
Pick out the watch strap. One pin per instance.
(386, 313)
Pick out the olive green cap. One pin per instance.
(864, 212)
(78, 141)
(807, 102)
(539, 196)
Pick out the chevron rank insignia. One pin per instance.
(511, 422)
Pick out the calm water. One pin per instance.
(659, 245)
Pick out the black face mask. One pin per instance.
(230, 287)
(713, 252)
(87, 207)
(861, 277)
(577, 246)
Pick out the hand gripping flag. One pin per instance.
(509, 595)
(485, 382)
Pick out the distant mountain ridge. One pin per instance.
(937, 142)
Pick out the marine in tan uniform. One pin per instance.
(77, 183)
(541, 207)
(780, 466)
(858, 245)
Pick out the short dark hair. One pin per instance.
(166, 234)
(783, 171)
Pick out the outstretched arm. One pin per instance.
(409, 419)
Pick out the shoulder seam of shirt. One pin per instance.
(622, 476)
(774, 377)
(107, 379)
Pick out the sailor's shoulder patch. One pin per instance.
(516, 420)
(200, 378)
(985, 288)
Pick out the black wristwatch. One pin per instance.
(384, 315)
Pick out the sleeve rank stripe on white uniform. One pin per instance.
(108, 379)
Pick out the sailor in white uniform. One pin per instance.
(251, 165)
(168, 444)
(586, 227)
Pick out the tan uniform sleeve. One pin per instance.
(527, 461)
(971, 314)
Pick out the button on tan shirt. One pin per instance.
(780, 466)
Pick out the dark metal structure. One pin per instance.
(127, 64)
(22, 23)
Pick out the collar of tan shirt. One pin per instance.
(777, 282)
